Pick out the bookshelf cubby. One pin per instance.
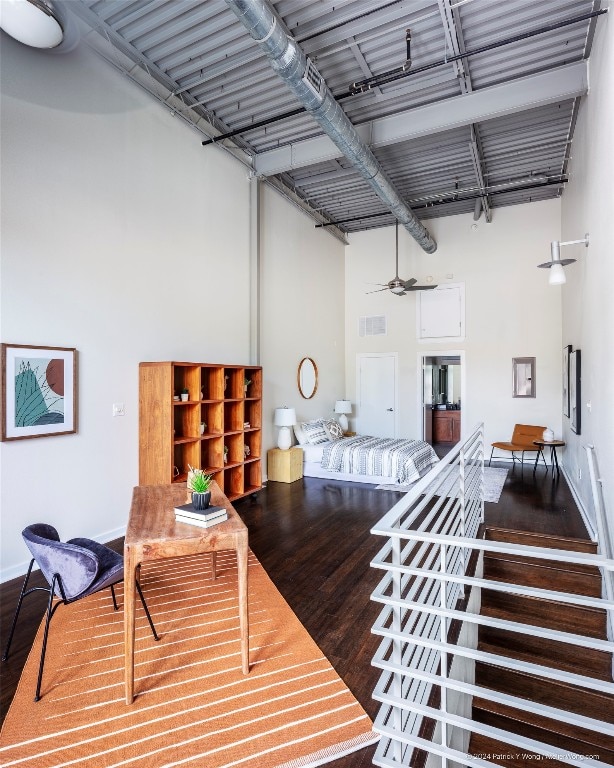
(170, 439)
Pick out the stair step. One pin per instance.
(506, 755)
(568, 737)
(575, 578)
(549, 653)
(552, 693)
(539, 540)
(545, 613)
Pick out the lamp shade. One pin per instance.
(285, 417)
(32, 23)
(343, 406)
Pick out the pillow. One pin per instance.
(314, 431)
(333, 429)
(301, 437)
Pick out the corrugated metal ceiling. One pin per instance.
(199, 51)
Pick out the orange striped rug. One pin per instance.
(194, 707)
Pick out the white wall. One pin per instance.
(303, 311)
(510, 312)
(588, 309)
(125, 238)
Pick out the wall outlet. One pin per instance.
(119, 409)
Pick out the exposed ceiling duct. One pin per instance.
(302, 77)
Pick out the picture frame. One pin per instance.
(39, 391)
(565, 383)
(575, 395)
(523, 377)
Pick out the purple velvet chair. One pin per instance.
(73, 569)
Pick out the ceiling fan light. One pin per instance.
(557, 275)
(397, 288)
(31, 23)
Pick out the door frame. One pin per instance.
(395, 357)
(420, 404)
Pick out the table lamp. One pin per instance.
(342, 407)
(285, 418)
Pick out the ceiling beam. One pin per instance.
(560, 84)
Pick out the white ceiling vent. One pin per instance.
(372, 326)
(313, 79)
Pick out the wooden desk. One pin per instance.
(153, 534)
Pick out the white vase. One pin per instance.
(548, 435)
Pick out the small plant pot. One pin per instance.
(202, 427)
(201, 501)
(184, 397)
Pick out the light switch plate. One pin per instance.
(119, 409)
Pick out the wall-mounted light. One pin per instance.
(556, 263)
(44, 24)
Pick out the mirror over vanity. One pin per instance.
(307, 378)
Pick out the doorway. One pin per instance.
(376, 394)
(442, 384)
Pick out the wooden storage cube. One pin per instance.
(253, 414)
(212, 383)
(252, 439)
(234, 443)
(234, 383)
(185, 455)
(187, 376)
(233, 482)
(233, 417)
(252, 478)
(185, 420)
(211, 454)
(254, 388)
(213, 416)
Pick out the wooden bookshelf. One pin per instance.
(169, 430)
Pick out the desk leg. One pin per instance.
(129, 597)
(243, 616)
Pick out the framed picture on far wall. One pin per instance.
(566, 352)
(39, 391)
(575, 407)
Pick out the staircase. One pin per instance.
(562, 654)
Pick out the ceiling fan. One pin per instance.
(398, 286)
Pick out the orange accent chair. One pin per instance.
(521, 442)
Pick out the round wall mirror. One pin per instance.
(307, 378)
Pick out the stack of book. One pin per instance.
(202, 518)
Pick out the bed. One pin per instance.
(366, 459)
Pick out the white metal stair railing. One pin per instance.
(431, 584)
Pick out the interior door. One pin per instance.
(377, 395)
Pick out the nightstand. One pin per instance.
(285, 466)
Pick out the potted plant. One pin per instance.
(246, 383)
(225, 454)
(199, 484)
(185, 394)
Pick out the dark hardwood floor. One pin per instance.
(313, 538)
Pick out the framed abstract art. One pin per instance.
(39, 391)
(566, 352)
(575, 379)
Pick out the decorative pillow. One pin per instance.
(333, 429)
(314, 431)
(301, 437)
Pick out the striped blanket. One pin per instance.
(403, 460)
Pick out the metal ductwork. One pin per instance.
(301, 75)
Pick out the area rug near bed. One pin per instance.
(494, 479)
(194, 707)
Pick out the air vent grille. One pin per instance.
(313, 79)
(372, 326)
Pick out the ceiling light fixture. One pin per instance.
(556, 263)
(32, 22)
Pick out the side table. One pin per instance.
(553, 445)
(285, 466)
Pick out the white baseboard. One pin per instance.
(587, 521)
(22, 568)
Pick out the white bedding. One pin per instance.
(313, 453)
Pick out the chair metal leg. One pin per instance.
(151, 624)
(115, 605)
(5, 655)
(50, 612)
(491, 453)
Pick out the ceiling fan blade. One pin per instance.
(421, 288)
(384, 285)
(379, 290)
(410, 282)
